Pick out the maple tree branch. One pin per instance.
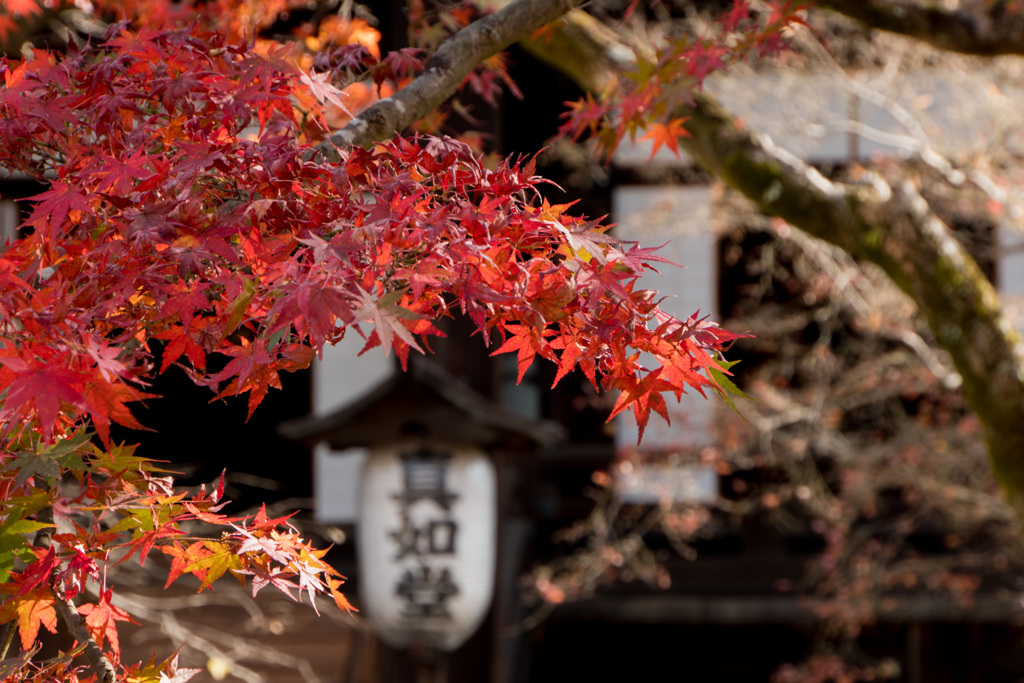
(445, 72)
(66, 608)
(987, 29)
(44, 536)
(76, 625)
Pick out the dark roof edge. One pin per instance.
(431, 377)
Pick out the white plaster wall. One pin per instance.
(342, 376)
(826, 117)
(10, 218)
(680, 216)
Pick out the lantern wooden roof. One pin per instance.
(427, 402)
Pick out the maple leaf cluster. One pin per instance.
(185, 207)
(642, 100)
(124, 509)
(188, 214)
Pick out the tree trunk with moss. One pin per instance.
(892, 227)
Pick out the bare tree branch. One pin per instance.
(76, 625)
(445, 71)
(987, 29)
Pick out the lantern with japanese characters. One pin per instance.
(427, 537)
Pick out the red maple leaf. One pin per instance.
(21, 8)
(38, 572)
(55, 206)
(180, 342)
(398, 65)
(101, 619)
(184, 558)
(263, 523)
(144, 541)
(523, 341)
(40, 386)
(106, 402)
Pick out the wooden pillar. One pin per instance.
(977, 653)
(913, 656)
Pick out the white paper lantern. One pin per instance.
(426, 545)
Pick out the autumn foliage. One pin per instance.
(188, 213)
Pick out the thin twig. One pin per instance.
(6, 635)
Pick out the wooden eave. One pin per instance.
(424, 402)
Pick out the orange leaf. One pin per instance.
(666, 134)
(31, 613)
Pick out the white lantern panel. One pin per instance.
(427, 543)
